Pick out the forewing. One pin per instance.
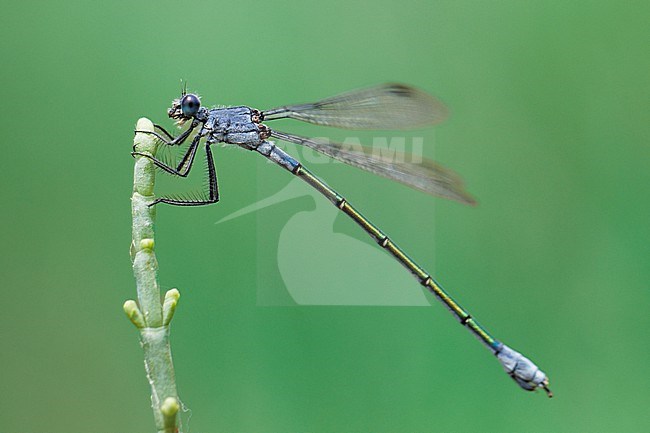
(387, 106)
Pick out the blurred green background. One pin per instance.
(549, 128)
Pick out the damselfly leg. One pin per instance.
(184, 166)
(171, 140)
(213, 187)
(163, 130)
(183, 169)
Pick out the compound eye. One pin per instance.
(190, 104)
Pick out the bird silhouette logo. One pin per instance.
(322, 267)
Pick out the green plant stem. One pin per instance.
(149, 314)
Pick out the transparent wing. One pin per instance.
(426, 176)
(387, 106)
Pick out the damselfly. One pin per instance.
(388, 106)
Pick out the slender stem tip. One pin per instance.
(144, 124)
(144, 142)
(172, 294)
(169, 305)
(133, 313)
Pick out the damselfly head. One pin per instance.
(184, 108)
